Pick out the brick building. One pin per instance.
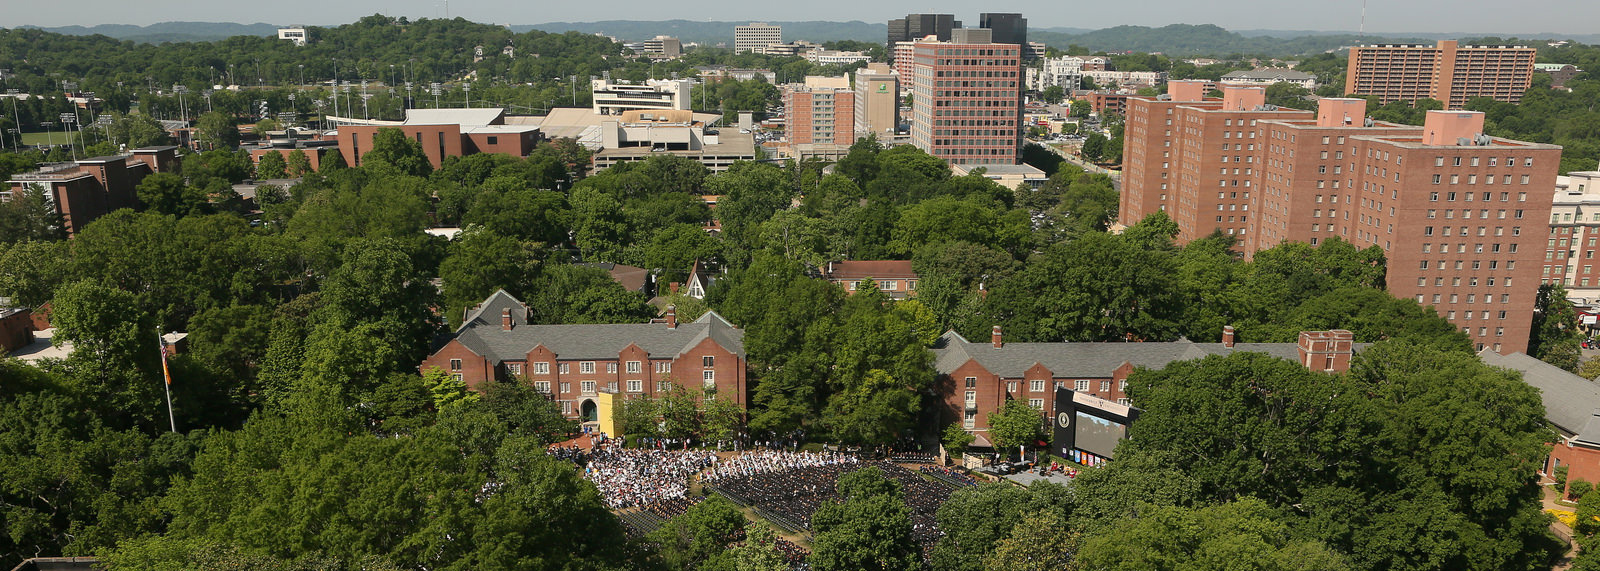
(16, 328)
(87, 189)
(821, 111)
(976, 378)
(894, 277)
(445, 133)
(1448, 72)
(1572, 409)
(1460, 215)
(967, 102)
(1197, 158)
(574, 363)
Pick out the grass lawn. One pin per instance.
(40, 138)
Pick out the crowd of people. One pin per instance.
(767, 461)
(639, 477)
(794, 494)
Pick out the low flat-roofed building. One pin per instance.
(1009, 176)
(639, 135)
(614, 97)
(87, 189)
(1271, 76)
(443, 133)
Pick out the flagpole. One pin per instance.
(167, 376)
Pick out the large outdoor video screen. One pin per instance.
(1097, 435)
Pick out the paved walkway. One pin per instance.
(1560, 529)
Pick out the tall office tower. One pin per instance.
(877, 101)
(967, 99)
(755, 37)
(918, 26)
(1008, 28)
(1447, 72)
(1460, 216)
(1194, 157)
(821, 111)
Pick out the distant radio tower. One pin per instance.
(1363, 32)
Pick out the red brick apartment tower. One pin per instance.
(1447, 72)
(1305, 186)
(821, 111)
(967, 102)
(1207, 153)
(1469, 221)
(1147, 158)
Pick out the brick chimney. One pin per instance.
(505, 319)
(1327, 351)
(1227, 336)
(672, 317)
(994, 337)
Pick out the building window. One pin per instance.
(633, 367)
(969, 420)
(566, 368)
(1105, 386)
(708, 361)
(456, 377)
(611, 368)
(587, 387)
(1122, 401)
(1037, 404)
(663, 386)
(455, 364)
(514, 369)
(541, 368)
(1011, 386)
(1036, 386)
(972, 382)
(635, 386)
(566, 407)
(542, 386)
(1081, 386)
(664, 366)
(709, 378)
(586, 367)
(566, 388)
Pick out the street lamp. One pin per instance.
(302, 74)
(468, 88)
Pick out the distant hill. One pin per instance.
(715, 32)
(168, 31)
(1203, 40)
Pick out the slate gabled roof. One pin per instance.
(482, 332)
(1569, 400)
(1088, 360)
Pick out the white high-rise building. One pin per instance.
(755, 37)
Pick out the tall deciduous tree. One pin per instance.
(1556, 337)
(869, 529)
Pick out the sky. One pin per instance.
(1527, 18)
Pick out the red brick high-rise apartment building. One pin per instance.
(1447, 72)
(822, 111)
(1194, 157)
(1460, 215)
(967, 99)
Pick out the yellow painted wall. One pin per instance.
(606, 407)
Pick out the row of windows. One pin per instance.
(1473, 179)
(1038, 386)
(588, 367)
(633, 386)
(1456, 161)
